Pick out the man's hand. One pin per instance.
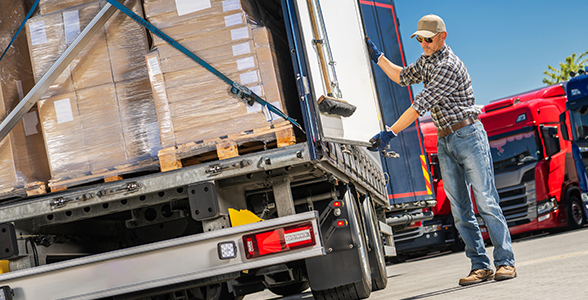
(374, 52)
(380, 141)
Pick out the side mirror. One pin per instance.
(564, 127)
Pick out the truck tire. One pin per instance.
(576, 218)
(357, 290)
(376, 253)
(290, 289)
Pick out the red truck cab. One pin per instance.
(534, 168)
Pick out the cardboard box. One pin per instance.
(114, 54)
(22, 153)
(50, 35)
(200, 15)
(93, 130)
(127, 44)
(64, 136)
(106, 121)
(51, 6)
(219, 47)
(138, 118)
(102, 128)
(194, 104)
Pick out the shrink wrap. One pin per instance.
(22, 152)
(98, 118)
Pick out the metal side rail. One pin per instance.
(353, 165)
(154, 265)
(56, 69)
(149, 189)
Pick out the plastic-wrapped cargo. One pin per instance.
(23, 162)
(51, 6)
(99, 117)
(194, 107)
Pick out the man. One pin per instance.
(463, 149)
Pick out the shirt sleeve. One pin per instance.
(411, 75)
(443, 83)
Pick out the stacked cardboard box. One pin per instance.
(99, 116)
(192, 103)
(22, 151)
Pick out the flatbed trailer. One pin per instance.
(281, 218)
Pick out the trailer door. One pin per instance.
(409, 176)
(379, 101)
(339, 32)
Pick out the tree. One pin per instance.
(572, 64)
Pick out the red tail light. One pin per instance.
(279, 240)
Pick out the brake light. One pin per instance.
(279, 240)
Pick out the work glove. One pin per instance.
(380, 141)
(374, 52)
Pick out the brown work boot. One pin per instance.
(477, 276)
(505, 272)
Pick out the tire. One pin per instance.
(576, 218)
(357, 290)
(376, 253)
(290, 289)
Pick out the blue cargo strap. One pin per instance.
(239, 90)
(20, 28)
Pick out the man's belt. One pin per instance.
(455, 127)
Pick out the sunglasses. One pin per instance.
(420, 39)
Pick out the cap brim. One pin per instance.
(423, 33)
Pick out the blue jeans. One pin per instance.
(465, 161)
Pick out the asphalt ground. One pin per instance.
(549, 266)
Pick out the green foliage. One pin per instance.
(572, 64)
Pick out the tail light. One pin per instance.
(279, 240)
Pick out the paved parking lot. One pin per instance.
(550, 266)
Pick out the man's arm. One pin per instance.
(408, 117)
(392, 70)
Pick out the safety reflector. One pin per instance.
(279, 240)
(336, 204)
(341, 223)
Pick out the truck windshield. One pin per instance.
(579, 120)
(514, 151)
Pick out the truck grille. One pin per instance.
(518, 203)
(408, 234)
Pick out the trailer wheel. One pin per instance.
(376, 253)
(290, 289)
(576, 218)
(357, 290)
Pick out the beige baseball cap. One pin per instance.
(429, 25)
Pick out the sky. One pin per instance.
(505, 45)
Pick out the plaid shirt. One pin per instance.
(447, 91)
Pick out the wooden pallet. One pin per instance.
(103, 175)
(29, 189)
(279, 135)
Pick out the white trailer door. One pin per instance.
(344, 32)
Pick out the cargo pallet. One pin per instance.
(232, 145)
